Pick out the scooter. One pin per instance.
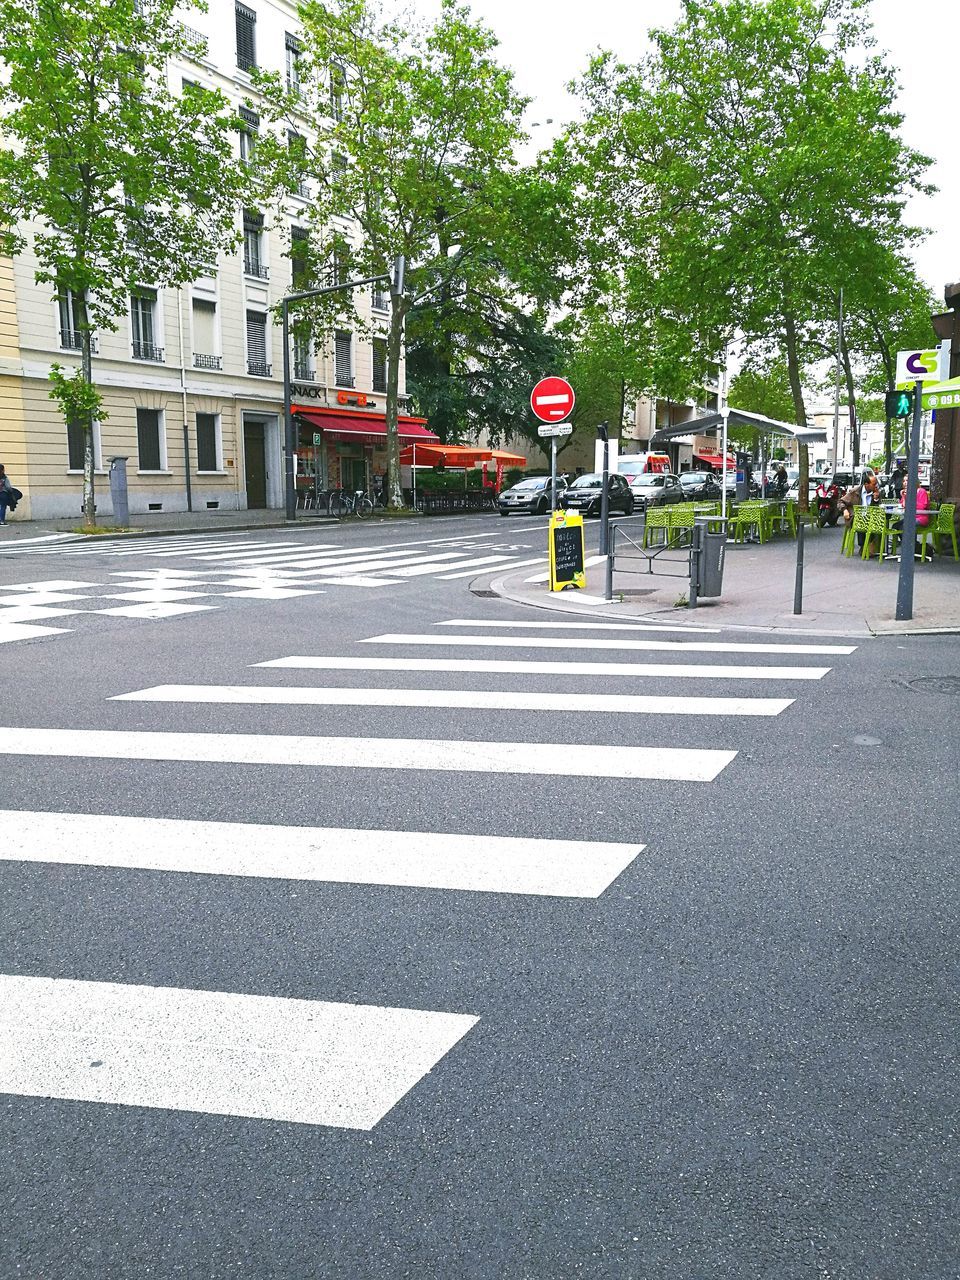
(828, 503)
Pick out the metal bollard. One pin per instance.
(118, 491)
(798, 585)
(611, 552)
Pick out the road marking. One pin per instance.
(51, 585)
(497, 666)
(415, 859)
(10, 631)
(472, 573)
(675, 764)
(563, 642)
(216, 1052)
(156, 610)
(462, 699)
(432, 566)
(576, 626)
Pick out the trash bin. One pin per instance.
(712, 547)
(118, 491)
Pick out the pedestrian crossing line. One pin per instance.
(430, 566)
(459, 699)
(564, 642)
(576, 626)
(500, 666)
(408, 859)
(517, 564)
(216, 1052)
(10, 631)
(672, 764)
(587, 564)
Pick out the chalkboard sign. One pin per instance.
(566, 551)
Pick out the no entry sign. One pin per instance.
(552, 399)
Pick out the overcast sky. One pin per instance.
(549, 43)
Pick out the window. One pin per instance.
(208, 442)
(297, 150)
(299, 258)
(340, 264)
(338, 84)
(246, 24)
(71, 339)
(379, 364)
(75, 446)
(150, 440)
(343, 358)
(257, 345)
(143, 309)
(380, 299)
(294, 50)
(253, 263)
(303, 353)
(205, 335)
(249, 128)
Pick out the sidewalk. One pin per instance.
(153, 523)
(841, 596)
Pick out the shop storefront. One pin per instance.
(347, 449)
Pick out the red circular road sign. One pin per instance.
(552, 399)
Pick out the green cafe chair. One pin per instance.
(942, 525)
(655, 518)
(859, 524)
(876, 528)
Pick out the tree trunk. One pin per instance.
(398, 312)
(86, 363)
(851, 400)
(799, 408)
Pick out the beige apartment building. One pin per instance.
(192, 377)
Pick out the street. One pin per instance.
(416, 933)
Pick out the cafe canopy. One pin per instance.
(455, 456)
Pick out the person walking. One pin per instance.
(7, 500)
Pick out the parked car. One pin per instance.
(531, 495)
(586, 493)
(655, 489)
(698, 485)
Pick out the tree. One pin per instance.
(773, 150)
(127, 184)
(412, 137)
(761, 386)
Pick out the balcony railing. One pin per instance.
(380, 302)
(72, 340)
(344, 379)
(257, 369)
(302, 371)
(147, 351)
(257, 269)
(207, 362)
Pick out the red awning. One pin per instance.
(347, 424)
(712, 459)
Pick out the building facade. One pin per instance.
(192, 377)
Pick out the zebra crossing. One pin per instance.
(331, 1062)
(224, 569)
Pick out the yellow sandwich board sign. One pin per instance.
(566, 551)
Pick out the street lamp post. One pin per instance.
(396, 279)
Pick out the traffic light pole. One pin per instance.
(908, 542)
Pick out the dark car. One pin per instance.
(586, 493)
(655, 489)
(531, 495)
(699, 485)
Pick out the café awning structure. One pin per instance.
(740, 418)
(365, 428)
(456, 456)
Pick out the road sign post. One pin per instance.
(905, 580)
(552, 400)
(553, 432)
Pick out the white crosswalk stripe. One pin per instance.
(321, 1061)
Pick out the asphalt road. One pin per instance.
(737, 1061)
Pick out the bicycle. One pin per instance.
(356, 504)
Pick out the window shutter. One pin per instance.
(379, 364)
(299, 257)
(256, 341)
(75, 445)
(148, 439)
(207, 442)
(204, 326)
(343, 364)
(246, 24)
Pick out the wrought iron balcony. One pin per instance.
(147, 351)
(252, 267)
(345, 380)
(72, 340)
(302, 371)
(259, 370)
(207, 362)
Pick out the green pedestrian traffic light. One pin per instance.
(899, 404)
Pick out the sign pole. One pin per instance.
(553, 473)
(603, 433)
(905, 581)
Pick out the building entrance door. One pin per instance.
(255, 465)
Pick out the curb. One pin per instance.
(220, 528)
